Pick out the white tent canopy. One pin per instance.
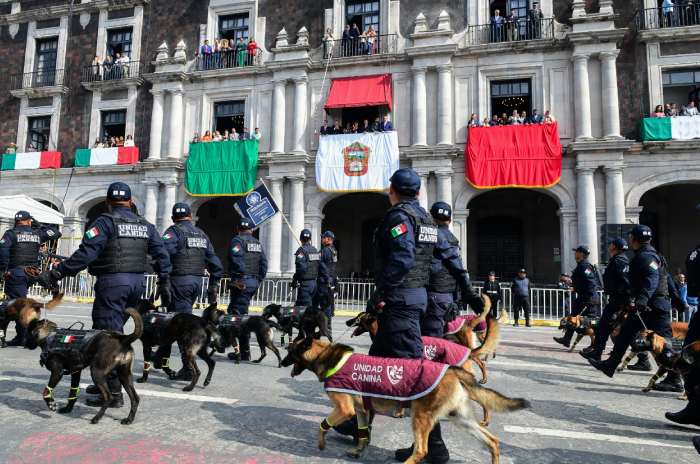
(9, 205)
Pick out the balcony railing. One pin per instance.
(666, 17)
(517, 31)
(111, 71)
(36, 79)
(228, 59)
(368, 46)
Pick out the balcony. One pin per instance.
(111, 76)
(360, 48)
(520, 31)
(677, 23)
(44, 83)
(230, 59)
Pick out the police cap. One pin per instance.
(522, 271)
(22, 215)
(181, 210)
(619, 243)
(641, 233)
(583, 249)
(405, 181)
(492, 273)
(305, 235)
(441, 211)
(118, 191)
(245, 224)
(328, 234)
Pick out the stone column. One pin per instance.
(176, 134)
(420, 118)
(72, 231)
(168, 203)
(614, 195)
(582, 99)
(300, 117)
(444, 187)
(314, 223)
(445, 105)
(585, 204)
(278, 103)
(459, 224)
(151, 201)
(611, 103)
(296, 215)
(566, 219)
(423, 194)
(156, 137)
(274, 247)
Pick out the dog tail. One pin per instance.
(487, 398)
(138, 327)
(482, 317)
(493, 335)
(56, 299)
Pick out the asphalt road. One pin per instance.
(257, 414)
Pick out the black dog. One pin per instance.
(306, 320)
(70, 351)
(193, 335)
(233, 327)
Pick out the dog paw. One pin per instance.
(140, 380)
(279, 365)
(257, 361)
(65, 410)
(646, 390)
(94, 420)
(188, 388)
(53, 407)
(206, 383)
(353, 453)
(483, 381)
(127, 421)
(619, 369)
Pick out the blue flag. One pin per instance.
(258, 206)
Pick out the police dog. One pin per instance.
(306, 322)
(105, 352)
(22, 311)
(193, 334)
(448, 400)
(583, 327)
(678, 331)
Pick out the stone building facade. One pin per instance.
(596, 65)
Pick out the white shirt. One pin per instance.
(129, 143)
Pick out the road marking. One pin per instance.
(589, 436)
(524, 342)
(154, 393)
(516, 363)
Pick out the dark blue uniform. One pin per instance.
(190, 253)
(584, 278)
(248, 267)
(617, 287)
(115, 291)
(327, 280)
(306, 262)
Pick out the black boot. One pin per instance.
(690, 415)
(696, 443)
(642, 364)
(437, 451)
(183, 374)
(17, 341)
(92, 390)
(607, 367)
(591, 354)
(672, 383)
(116, 402)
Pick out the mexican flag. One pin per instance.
(67, 339)
(676, 128)
(106, 156)
(222, 168)
(33, 160)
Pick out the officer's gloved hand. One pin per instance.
(295, 283)
(376, 303)
(49, 278)
(213, 291)
(477, 304)
(164, 292)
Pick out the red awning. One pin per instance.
(351, 92)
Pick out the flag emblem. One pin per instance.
(67, 339)
(92, 233)
(167, 236)
(236, 248)
(399, 230)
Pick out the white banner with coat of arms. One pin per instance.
(356, 162)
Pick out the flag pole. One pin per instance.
(283, 216)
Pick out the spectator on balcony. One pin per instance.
(234, 134)
(129, 142)
(241, 51)
(252, 48)
(195, 137)
(97, 68)
(494, 121)
(371, 37)
(667, 10)
(355, 34)
(346, 41)
(690, 109)
(386, 125)
(503, 120)
(206, 137)
(11, 148)
(224, 59)
(535, 17)
(98, 143)
(217, 136)
(245, 135)
(525, 118)
(355, 128)
(497, 23)
(474, 121)
(120, 141)
(365, 127)
(226, 137)
(256, 135)
(206, 49)
(107, 67)
(536, 118)
(511, 26)
(515, 118)
(337, 128)
(549, 118)
(659, 112)
(328, 41)
(486, 122)
(325, 128)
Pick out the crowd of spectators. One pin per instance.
(516, 118)
(227, 53)
(233, 135)
(11, 149)
(113, 142)
(356, 127)
(353, 42)
(110, 68)
(512, 28)
(671, 110)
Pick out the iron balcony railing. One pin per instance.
(111, 71)
(41, 78)
(226, 59)
(519, 30)
(360, 46)
(671, 16)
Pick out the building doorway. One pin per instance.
(229, 115)
(113, 124)
(510, 95)
(218, 218)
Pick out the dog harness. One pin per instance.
(155, 324)
(233, 320)
(456, 325)
(587, 322)
(70, 344)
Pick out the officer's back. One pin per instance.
(584, 277)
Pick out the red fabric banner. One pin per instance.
(513, 156)
(352, 92)
(50, 160)
(128, 155)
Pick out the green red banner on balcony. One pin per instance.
(221, 168)
(677, 128)
(513, 156)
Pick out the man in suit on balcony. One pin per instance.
(386, 126)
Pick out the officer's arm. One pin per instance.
(6, 243)
(300, 264)
(449, 256)
(93, 243)
(236, 264)
(214, 265)
(323, 270)
(401, 255)
(158, 252)
(649, 281)
(263, 265)
(49, 232)
(623, 276)
(171, 241)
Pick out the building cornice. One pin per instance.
(597, 36)
(513, 47)
(670, 34)
(55, 11)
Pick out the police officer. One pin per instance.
(405, 243)
(19, 247)
(306, 261)
(116, 248)
(327, 277)
(586, 283)
(442, 285)
(248, 267)
(191, 252)
(493, 289)
(649, 290)
(617, 287)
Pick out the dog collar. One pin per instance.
(338, 366)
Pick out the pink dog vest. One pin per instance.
(444, 351)
(456, 325)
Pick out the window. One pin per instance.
(680, 86)
(113, 124)
(38, 135)
(119, 42)
(682, 77)
(507, 96)
(45, 63)
(363, 13)
(233, 27)
(229, 115)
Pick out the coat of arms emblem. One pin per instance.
(429, 351)
(356, 159)
(395, 374)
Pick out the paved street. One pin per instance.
(258, 414)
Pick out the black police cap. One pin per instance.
(181, 210)
(245, 224)
(619, 243)
(305, 234)
(522, 271)
(441, 210)
(641, 232)
(22, 215)
(405, 181)
(328, 234)
(492, 273)
(118, 191)
(583, 249)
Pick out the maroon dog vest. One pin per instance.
(456, 325)
(389, 378)
(444, 351)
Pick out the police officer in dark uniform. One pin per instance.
(493, 289)
(327, 277)
(649, 290)
(116, 248)
(191, 252)
(306, 261)
(19, 247)
(248, 267)
(405, 243)
(586, 284)
(617, 287)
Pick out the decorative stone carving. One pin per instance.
(162, 52)
(84, 19)
(281, 39)
(444, 21)
(180, 51)
(303, 36)
(421, 24)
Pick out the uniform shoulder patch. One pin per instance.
(92, 233)
(654, 265)
(50, 232)
(692, 256)
(398, 230)
(587, 271)
(236, 248)
(167, 236)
